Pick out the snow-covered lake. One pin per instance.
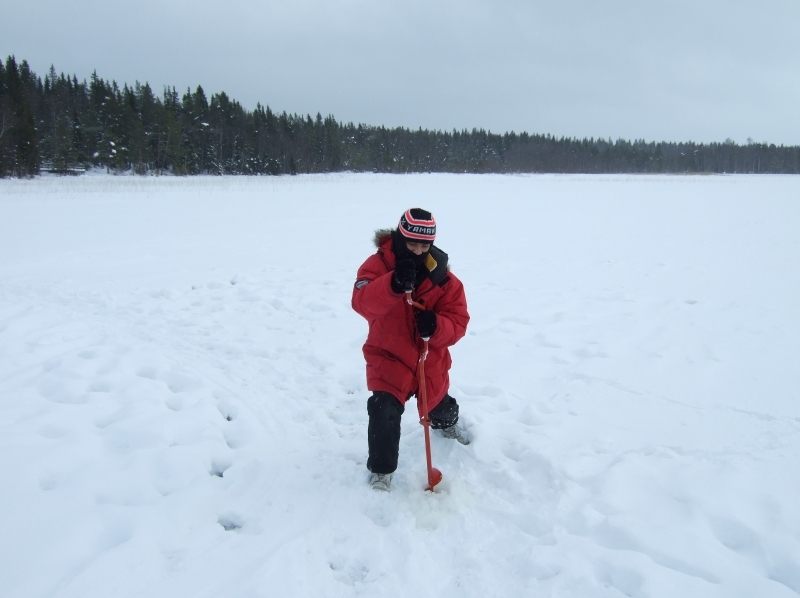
(183, 402)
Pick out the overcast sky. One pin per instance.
(696, 70)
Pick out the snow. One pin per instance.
(183, 403)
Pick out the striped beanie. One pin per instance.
(417, 225)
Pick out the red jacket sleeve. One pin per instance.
(452, 316)
(373, 296)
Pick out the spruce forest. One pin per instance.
(62, 125)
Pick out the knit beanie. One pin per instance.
(417, 225)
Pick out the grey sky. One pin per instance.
(679, 70)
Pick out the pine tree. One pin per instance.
(25, 161)
(6, 146)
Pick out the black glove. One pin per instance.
(426, 323)
(405, 273)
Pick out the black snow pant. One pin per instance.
(383, 434)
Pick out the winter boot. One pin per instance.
(444, 417)
(456, 432)
(381, 481)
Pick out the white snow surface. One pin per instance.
(183, 397)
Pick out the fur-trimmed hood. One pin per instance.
(381, 235)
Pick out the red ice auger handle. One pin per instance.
(434, 475)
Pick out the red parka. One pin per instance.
(393, 346)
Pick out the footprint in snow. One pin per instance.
(226, 409)
(588, 354)
(56, 392)
(233, 439)
(147, 372)
(734, 535)
(48, 482)
(174, 403)
(218, 468)
(627, 581)
(541, 340)
(51, 364)
(52, 432)
(231, 522)
(318, 307)
(99, 386)
(349, 573)
(176, 382)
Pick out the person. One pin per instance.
(407, 260)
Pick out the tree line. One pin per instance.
(60, 124)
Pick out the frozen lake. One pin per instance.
(183, 399)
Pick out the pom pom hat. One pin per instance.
(418, 226)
